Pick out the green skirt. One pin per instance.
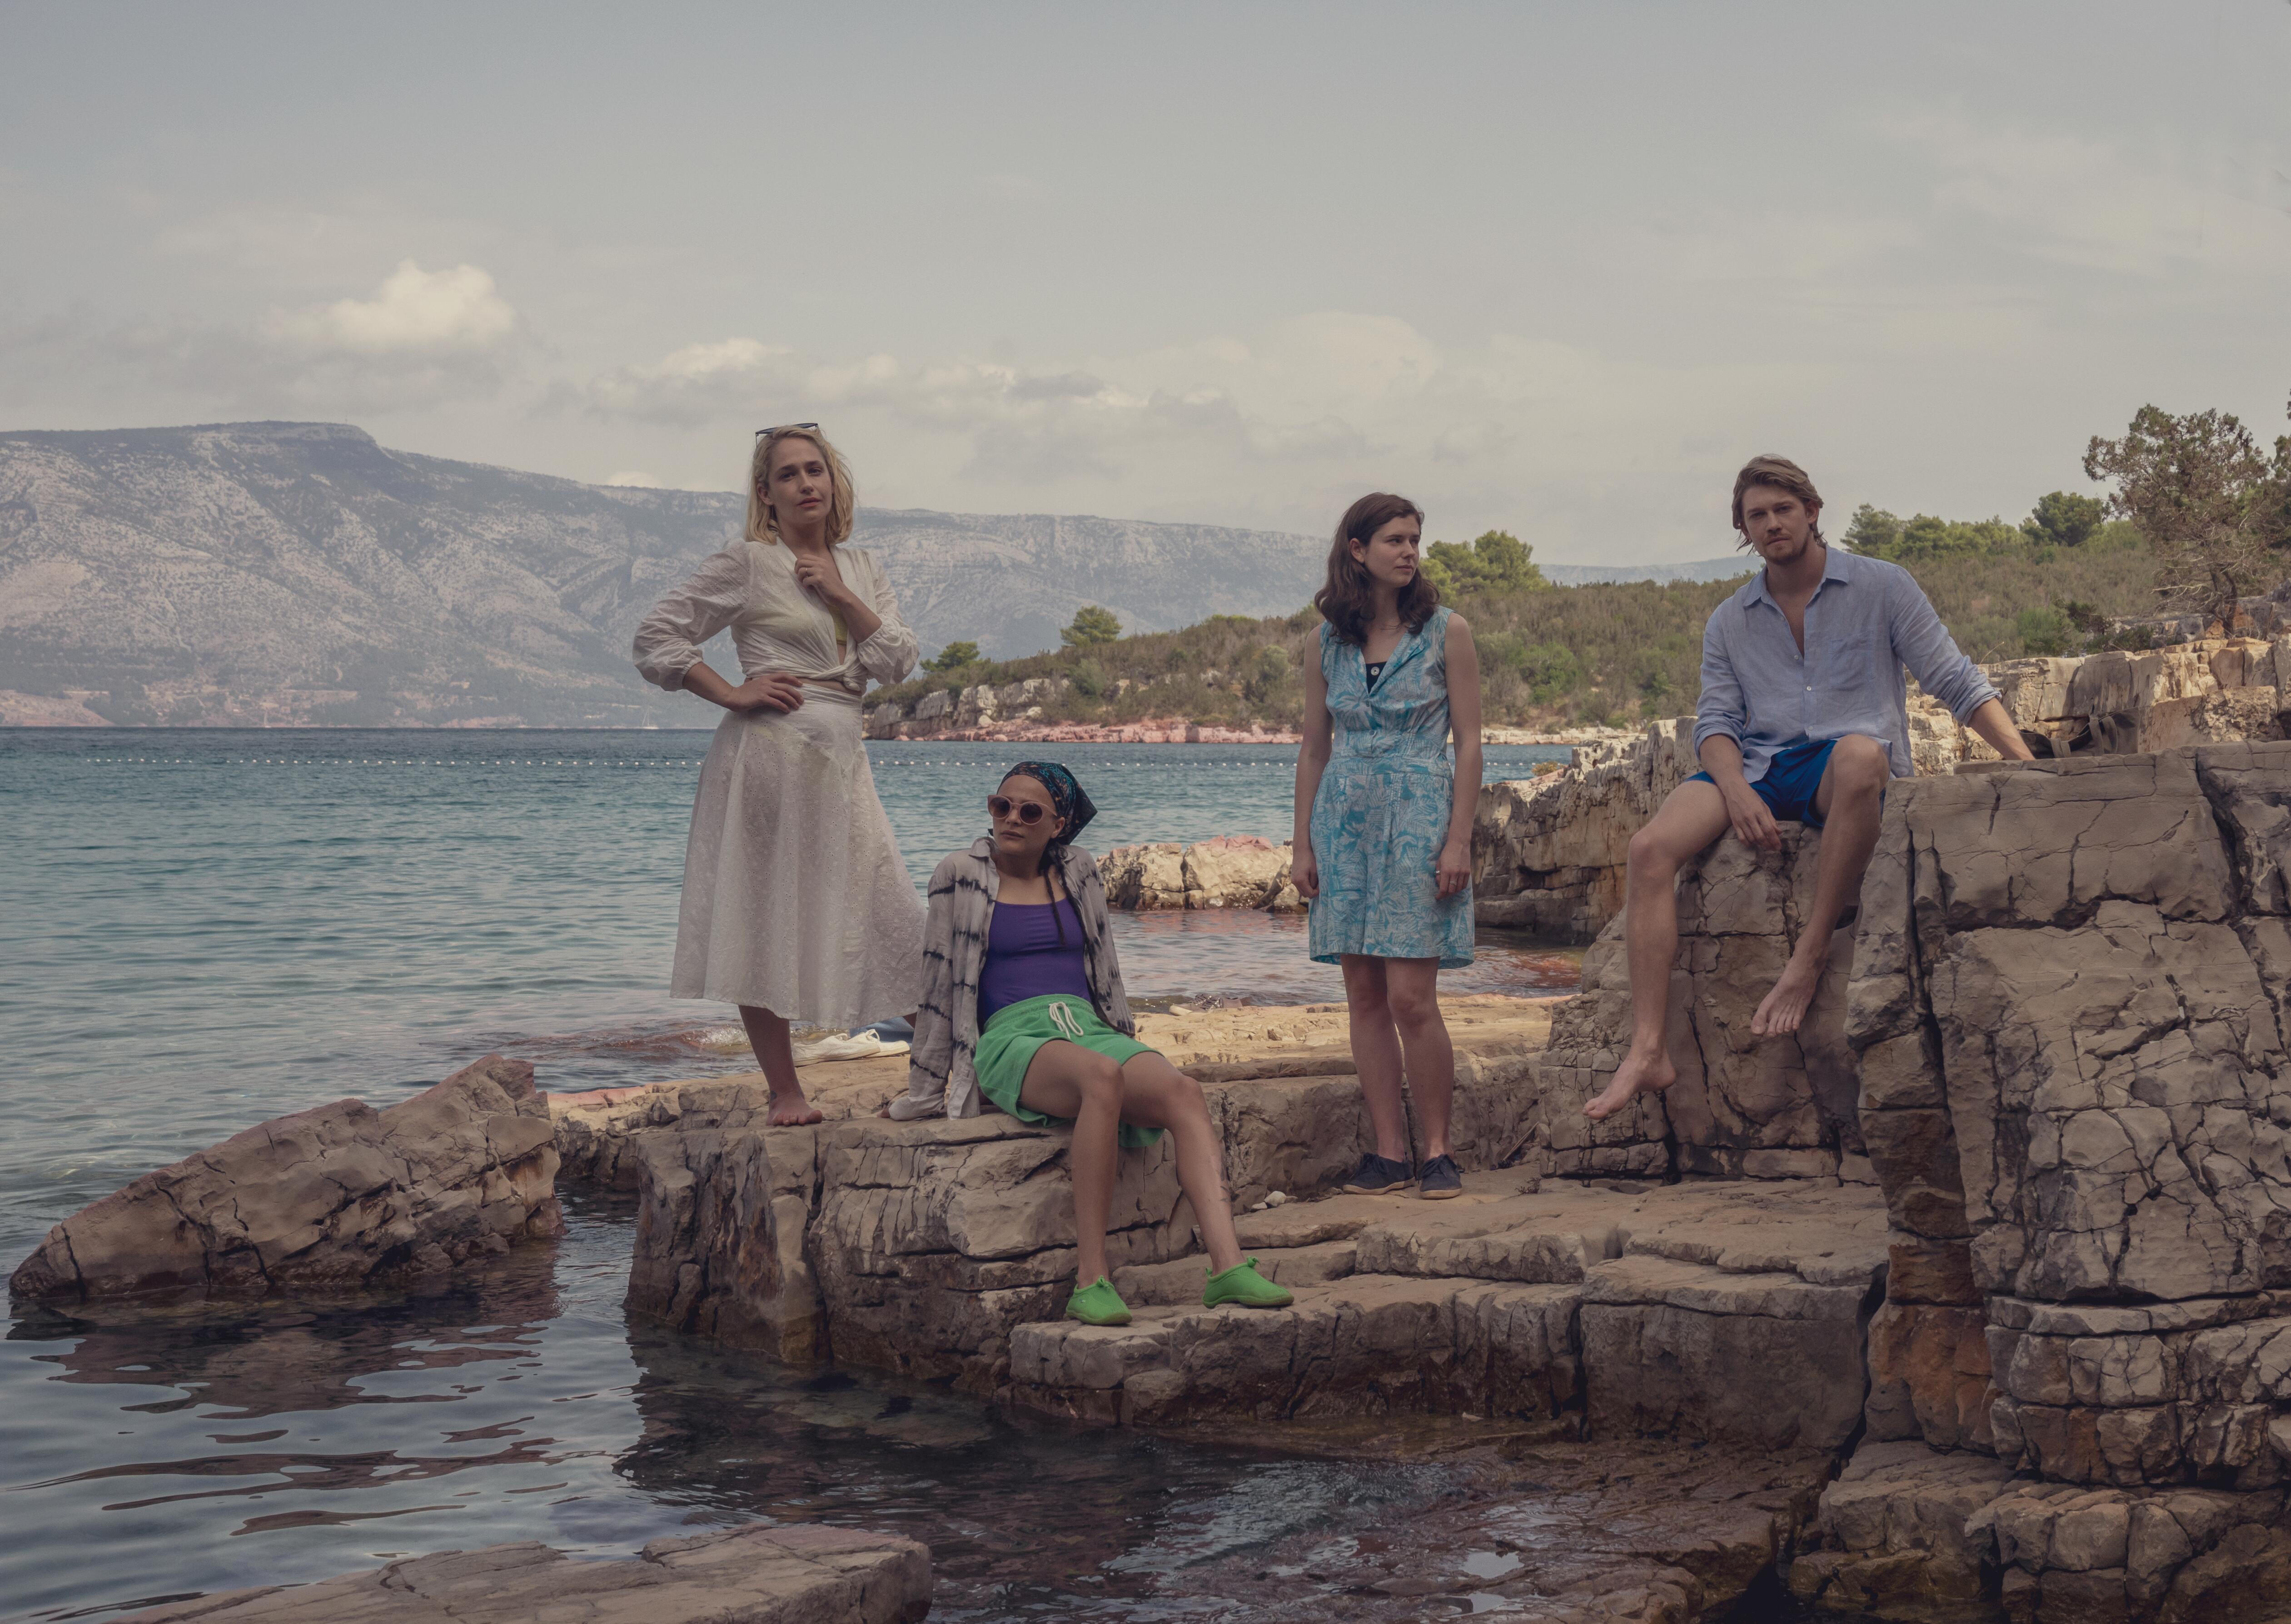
(1006, 1049)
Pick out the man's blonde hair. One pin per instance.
(841, 507)
(1783, 474)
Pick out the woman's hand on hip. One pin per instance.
(1454, 869)
(771, 690)
(1305, 873)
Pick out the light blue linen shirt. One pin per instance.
(1866, 621)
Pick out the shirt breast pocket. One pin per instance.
(1849, 671)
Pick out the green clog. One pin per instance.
(1242, 1284)
(1097, 1304)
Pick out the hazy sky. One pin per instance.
(1555, 269)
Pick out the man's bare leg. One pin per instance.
(1851, 796)
(767, 1035)
(1693, 816)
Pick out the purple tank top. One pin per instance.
(1023, 959)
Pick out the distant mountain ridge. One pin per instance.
(243, 573)
(301, 573)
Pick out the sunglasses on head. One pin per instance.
(1030, 812)
(782, 428)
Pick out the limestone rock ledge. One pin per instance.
(2068, 1001)
(757, 1575)
(919, 1247)
(1675, 1311)
(336, 1196)
(1914, 1534)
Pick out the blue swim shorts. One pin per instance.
(1793, 779)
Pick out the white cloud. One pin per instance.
(415, 311)
(425, 339)
(2138, 203)
(1261, 427)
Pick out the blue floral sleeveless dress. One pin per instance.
(1382, 813)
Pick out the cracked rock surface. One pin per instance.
(2067, 998)
(334, 1196)
(756, 1575)
(920, 1247)
(1676, 1311)
(1911, 1534)
(1743, 1106)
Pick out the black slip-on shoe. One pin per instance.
(1378, 1176)
(1440, 1180)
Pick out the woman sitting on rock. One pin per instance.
(797, 906)
(1023, 1003)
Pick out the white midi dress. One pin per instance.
(795, 897)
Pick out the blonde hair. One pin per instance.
(841, 507)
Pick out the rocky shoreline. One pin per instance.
(1015, 713)
(1966, 1302)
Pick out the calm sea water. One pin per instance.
(200, 931)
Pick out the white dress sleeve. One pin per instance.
(668, 640)
(889, 654)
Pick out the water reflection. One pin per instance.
(161, 1449)
(1019, 1518)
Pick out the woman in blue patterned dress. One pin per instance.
(1384, 825)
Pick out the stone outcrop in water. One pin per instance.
(1554, 1532)
(1229, 871)
(944, 1250)
(920, 1247)
(340, 1195)
(755, 1575)
(2010, 1218)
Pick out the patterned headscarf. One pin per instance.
(1067, 800)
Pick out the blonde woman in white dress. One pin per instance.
(797, 906)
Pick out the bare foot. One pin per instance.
(1785, 1007)
(1647, 1074)
(792, 1111)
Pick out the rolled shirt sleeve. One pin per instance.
(1720, 709)
(1932, 656)
(890, 653)
(669, 638)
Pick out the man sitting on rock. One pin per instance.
(1802, 717)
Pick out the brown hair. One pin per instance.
(841, 507)
(1783, 474)
(1346, 601)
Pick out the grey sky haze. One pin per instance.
(1556, 268)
